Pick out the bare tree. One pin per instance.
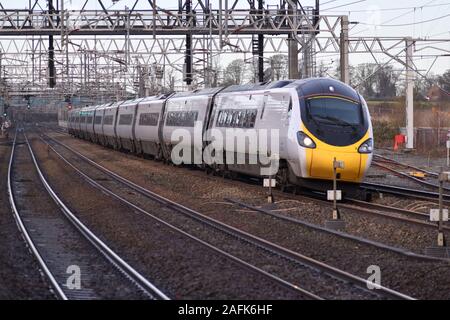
(234, 72)
(444, 83)
(363, 78)
(278, 67)
(386, 82)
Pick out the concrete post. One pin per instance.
(344, 64)
(409, 94)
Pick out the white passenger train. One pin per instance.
(317, 120)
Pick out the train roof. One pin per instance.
(258, 86)
(324, 86)
(132, 102)
(198, 92)
(154, 98)
(113, 105)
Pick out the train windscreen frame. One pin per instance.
(342, 124)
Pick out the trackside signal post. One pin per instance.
(270, 183)
(335, 195)
(440, 215)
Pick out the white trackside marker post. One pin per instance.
(270, 183)
(443, 176)
(440, 215)
(335, 195)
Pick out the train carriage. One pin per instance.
(149, 117)
(109, 124)
(80, 122)
(89, 122)
(126, 116)
(70, 120)
(250, 111)
(98, 136)
(185, 111)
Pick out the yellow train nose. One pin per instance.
(321, 165)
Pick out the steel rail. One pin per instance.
(407, 176)
(403, 191)
(366, 208)
(430, 173)
(109, 254)
(340, 234)
(46, 271)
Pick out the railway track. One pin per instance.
(405, 192)
(373, 209)
(242, 236)
(61, 243)
(392, 165)
(381, 158)
(341, 234)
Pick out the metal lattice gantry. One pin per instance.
(118, 52)
(80, 30)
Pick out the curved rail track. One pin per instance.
(381, 158)
(403, 191)
(341, 234)
(212, 223)
(63, 237)
(374, 209)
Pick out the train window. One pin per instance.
(241, 119)
(181, 118)
(229, 118)
(125, 119)
(108, 120)
(98, 120)
(149, 119)
(89, 119)
(251, 118)
(220, 118)
(237, 118)
(334, 110)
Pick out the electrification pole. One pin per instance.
(260, 44)
(344, 63)
(409, 94)
(188, 58)
(51, 49)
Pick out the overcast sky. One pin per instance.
(415, 18)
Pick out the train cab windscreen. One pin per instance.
(334, 120)
(336, 111)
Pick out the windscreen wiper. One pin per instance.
(339, 121)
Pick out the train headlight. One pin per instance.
(366, 146)
(304, 140)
